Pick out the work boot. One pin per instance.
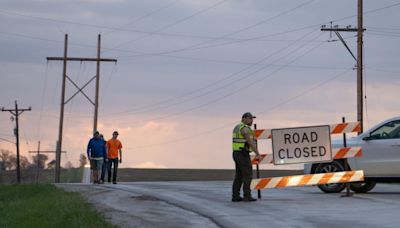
(237, 199)
(250, 199)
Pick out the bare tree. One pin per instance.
(82, 160)
(8, 159)
(24, 162)
(40, 160)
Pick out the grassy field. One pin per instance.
(73, 175)
(31, 205)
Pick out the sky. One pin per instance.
(188, 69)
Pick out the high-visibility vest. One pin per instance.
(239, 142)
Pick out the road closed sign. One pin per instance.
(301, 145)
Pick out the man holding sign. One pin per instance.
(243, 142)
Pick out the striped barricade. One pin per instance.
(339, 153)
(335, 129)
(310, 179)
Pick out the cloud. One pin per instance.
(159, 127)
(148, 165)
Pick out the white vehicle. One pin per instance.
(380, 160)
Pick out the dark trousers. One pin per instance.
(243, 175)
(103, 170)
(115, 170)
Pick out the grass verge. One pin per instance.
(44, 205)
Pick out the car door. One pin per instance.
(381, 151)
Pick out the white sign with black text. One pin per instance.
(301, 145)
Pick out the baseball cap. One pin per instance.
(115, 133)
(248, 115)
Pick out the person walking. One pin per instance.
(243, 142)
(96, 152)
(114, 147)
(105, 162)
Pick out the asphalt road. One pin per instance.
(207, 204)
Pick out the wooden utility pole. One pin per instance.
(16, 112)
(96, 106)
(360, 66)
(38, 152)
(65, 59)
(359, 59)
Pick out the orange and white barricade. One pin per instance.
(335, 129)
(310, 179)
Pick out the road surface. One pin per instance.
(207, 204)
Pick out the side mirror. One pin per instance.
(367, 138)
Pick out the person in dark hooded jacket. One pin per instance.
(96, 152)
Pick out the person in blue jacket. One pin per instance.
(96, 152)
(104, 166)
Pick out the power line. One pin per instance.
(235, 40)
(142, 17)
(368, 12)
(383, 70)
(7, 140)
(198, 59)
(42, 103)
(215, 82)
(198, 45)
(384, 28)
(108, 83)
(254, 25)
(54, 20)
(163, 54)
(174, 23)
(385, 31)
(268, 110)
(232, 92)
(230, 83)
(388, 34)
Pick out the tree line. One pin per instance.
(8, 161)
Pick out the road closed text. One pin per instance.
(299, 152)
(301, 145)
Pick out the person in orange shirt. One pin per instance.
(113, 147)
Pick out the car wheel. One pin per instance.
(331, 167)
(362, 187)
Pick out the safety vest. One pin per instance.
(239, 142)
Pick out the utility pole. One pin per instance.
(38, 152)
(16, 112)
(65, 59)
(360, 66)
(359, 59)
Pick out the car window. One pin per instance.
(390, 130)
